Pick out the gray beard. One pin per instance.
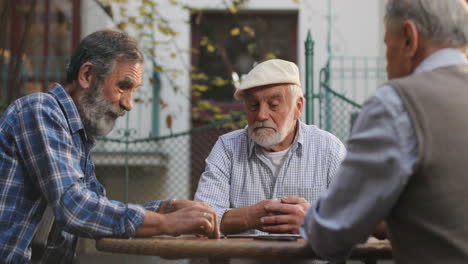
(270, 141)
(97, 113)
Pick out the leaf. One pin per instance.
(173, 55)
(155, 43)
(233, 10)
(270, 56)
(251, 47)
(218, 81)
(131, 19)
(139, 26)
(158, 68)
(250, 31)
(166, 30)
(204, 105)
(143, 11)
(169, 121)
(210, 48)
(204, 41)
(162, 104)
(172, 2)
(138, 100)
(198, 76)
(235, 31)
(195, 115)
(150, 3)
(199, 87)
(122, 25)
(296, 1)
(219, 116)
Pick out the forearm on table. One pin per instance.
(153, 224)
(238, 220)
(88, 214)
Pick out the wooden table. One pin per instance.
(224, 248)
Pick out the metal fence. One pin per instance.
(344, 85)
(155, 168)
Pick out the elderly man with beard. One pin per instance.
(277, 159)
(45, 160)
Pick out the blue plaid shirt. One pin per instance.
(45, 159)
(238, 174)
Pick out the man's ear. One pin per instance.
(299, 106)
(411, 37)
(86, 75)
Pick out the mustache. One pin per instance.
(264, 124)
(260, 127)
(115, 113)
(120, 112)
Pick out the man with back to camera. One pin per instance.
(407, 155)
(45, 160)
(269, 161)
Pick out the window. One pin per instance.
(38, 43)
(226, 46)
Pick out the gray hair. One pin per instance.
(102, 49)
(441, 22)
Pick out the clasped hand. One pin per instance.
(284, 216)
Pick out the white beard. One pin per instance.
(271, 136)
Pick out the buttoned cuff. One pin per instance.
(153, 206)
(133, 220)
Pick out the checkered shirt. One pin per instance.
(45, 159)
(238, 175)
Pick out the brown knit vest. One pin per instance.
(429, 223)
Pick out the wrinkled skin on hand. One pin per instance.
(192, 218)
(285, 217)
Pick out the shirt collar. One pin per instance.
(68, 106)
(297, 143)
(442, 58)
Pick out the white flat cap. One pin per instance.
(269, 72)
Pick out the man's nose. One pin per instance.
(126, 101)
(263, 113)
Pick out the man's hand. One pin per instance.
(190, 218)
(285, 217)
(197, 219)
(303, 203)
(238, 220)
(257, 211)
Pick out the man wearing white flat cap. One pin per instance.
(275, 159)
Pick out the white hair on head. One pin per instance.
(441, 22)
(295, 91)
